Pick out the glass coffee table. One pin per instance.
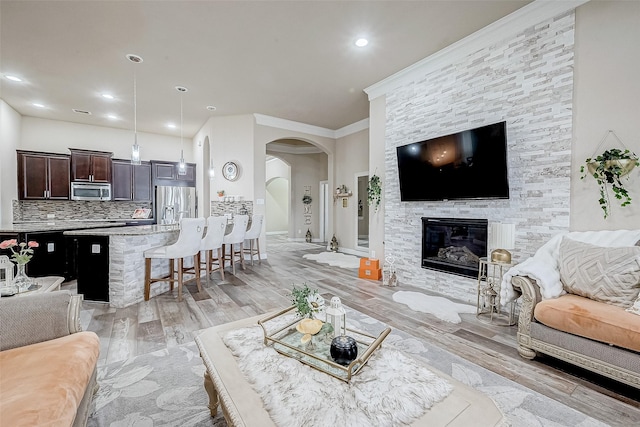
(40, 284)
(280, 331)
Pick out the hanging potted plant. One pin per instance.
(374, 191)
(306, 199)
(608, 168)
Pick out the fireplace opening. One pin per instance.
(454, 245)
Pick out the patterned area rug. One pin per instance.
(165, 388)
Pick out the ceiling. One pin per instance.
(293, 60)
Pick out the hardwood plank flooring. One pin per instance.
(164, 322)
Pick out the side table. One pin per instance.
(489, 309)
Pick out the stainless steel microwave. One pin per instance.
(90, 191)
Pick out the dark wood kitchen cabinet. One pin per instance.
(43, 176)
(49, 258)
(90, 166)
(92, 266)
(166, 173)
(131, 182)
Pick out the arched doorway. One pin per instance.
(308, 168)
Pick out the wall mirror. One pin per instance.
(362, 211)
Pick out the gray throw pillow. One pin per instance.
(610, 275)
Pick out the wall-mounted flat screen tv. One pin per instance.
(466, 165)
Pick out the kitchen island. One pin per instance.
(54, 256)
(111, 262)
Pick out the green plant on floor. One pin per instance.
(608, 168)
(374, 191)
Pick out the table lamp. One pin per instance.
(502, 237)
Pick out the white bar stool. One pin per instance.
(253, 235)
(212, 241)
(235, 237)
(188, 244)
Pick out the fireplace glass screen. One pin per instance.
(454, 245)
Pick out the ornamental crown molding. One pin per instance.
(523, 18)
(291, 125)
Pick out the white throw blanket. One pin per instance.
(543, 265)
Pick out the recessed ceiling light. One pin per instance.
(14, 78)
(37, 104)
(134, 58)
(107, 96)
(211, 108)
(171, 125)
(112, 117)
(362, 42)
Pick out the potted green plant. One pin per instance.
(374, 191)
(608, 168)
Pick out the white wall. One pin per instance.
(278, 190)
(57, 137)
(377, 114)
(606, 96)
(277, 206)
(10, 124)
(352, 156)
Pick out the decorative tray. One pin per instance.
(283, 332)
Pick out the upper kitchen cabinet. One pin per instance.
(131, 182)
(43, 176)
(90, 166)
(166, 173)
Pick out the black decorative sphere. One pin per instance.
(344, 350)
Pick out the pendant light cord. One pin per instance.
(135, 108)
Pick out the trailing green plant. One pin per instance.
(607, 170)
(374, 191)
(307, 301)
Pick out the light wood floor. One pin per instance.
(163, 322)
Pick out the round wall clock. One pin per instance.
(230, 171)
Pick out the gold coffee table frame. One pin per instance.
(283, 339)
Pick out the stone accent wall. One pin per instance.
(527, 81)
(37, 210)
(126, 267)
(233, 208)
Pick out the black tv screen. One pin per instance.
(466, 165)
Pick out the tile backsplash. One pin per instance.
(37, 210)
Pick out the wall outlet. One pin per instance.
(51, 216)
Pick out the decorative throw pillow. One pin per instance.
(606, 274)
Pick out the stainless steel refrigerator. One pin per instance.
(175, 203)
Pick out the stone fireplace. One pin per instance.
(454, 245)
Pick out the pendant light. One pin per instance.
(182, 166)
(135, 148)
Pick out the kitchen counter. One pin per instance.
(135, 230)
(111, 262)
(40, 226)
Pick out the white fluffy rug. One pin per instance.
(440, 307)
(335, 259)
(391, 390)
